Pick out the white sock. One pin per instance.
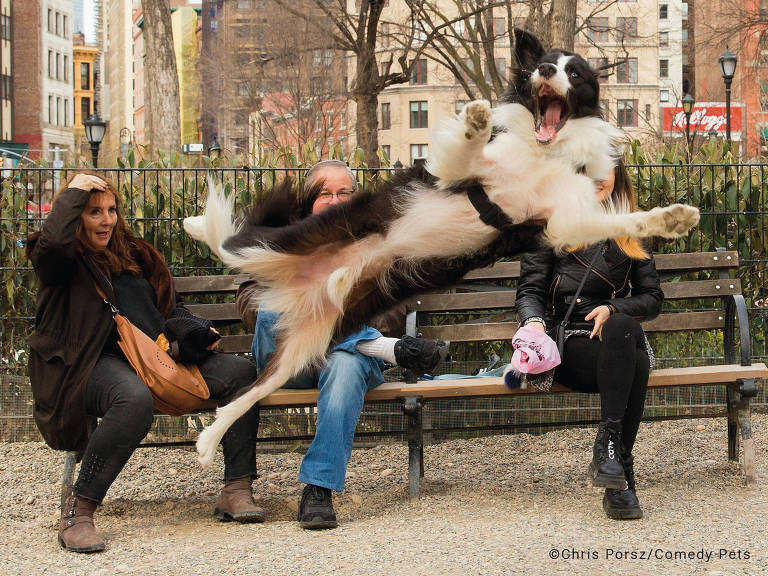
(383, 348)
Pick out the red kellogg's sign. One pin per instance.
(704, 118)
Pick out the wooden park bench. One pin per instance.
(487, 294)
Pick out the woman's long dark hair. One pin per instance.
(118, 255)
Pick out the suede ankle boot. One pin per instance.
(236, 503)
(76, 530)
(606, 469)
(623, 504)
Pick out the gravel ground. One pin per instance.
(497, 505)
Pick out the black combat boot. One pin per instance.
(422, 355)
(623, 504)
(606, 469)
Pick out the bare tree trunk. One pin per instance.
(162, 85)
(563, 24)
(367, 126)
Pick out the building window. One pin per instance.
(499, 28)
(664, 68)
(243, 4)
(685, 36)
(5, 27)
(58, 110)
(85, 109)
(663, 12)
(66, 112)
(626, 29)
(597, 29)
(418, 153)
(6, 86)
(684, 10)
(58, 65)
(50, 109)
(343, 119)
(50, 64)
(66, 68)
(386, 119)
(626, 112)
(58, 24)
(626, 71)
(64, 26)
(501, 69)
(85, 76)
(419, 72)
(386, 150)
(50, 20)
(599, 65)
(663, 95)
(459, 106)
(419, 114)
(764, 96)
(663, 38)
(647, 111)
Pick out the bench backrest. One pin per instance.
(488, 295)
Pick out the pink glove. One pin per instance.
(535, 352)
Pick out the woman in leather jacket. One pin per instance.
(605, 350)
(78, 373)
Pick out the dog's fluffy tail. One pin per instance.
(216, 223)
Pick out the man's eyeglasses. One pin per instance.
(342, 195)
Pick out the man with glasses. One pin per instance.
(353, 366)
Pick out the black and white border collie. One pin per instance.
(329, 273)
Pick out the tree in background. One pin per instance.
(162, 86)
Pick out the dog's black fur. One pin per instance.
(275, 220)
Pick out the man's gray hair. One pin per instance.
(312, 173)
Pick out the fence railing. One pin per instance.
(731, 197)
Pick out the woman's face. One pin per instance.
(604, 188)
(99, 218)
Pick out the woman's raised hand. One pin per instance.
(88, 182)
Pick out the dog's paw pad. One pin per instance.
(679, 218)
(477, 118)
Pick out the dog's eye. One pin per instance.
(575, 75)
(525, 74)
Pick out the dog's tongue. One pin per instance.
(548, 128)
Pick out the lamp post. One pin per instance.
(727, 69)
(95, 128)
(688, 103)
(214, 151)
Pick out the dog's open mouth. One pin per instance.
(552, 113)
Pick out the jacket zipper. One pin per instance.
(611, 284)
(553, 289)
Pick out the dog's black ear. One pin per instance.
(528, 50)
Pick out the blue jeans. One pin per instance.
(343, 382)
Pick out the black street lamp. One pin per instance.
(727, 69)
(398, 165)
(95, 128)
(214, 151)
(688, 103)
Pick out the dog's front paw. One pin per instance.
(670, 221)
(477, 120)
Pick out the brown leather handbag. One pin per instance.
(176, 388)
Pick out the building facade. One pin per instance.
(6, 71)
(43, 113)
(84, 89)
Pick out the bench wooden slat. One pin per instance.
(215, 312)
(505, 299)
(494, 386)
(236, 344)
(668, 263)
(202, 284)
(478, 332)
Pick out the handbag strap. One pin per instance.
(567, 316)
(104, 297)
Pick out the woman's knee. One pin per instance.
(135, 408)
(622, 326)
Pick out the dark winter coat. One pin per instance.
(549, 282)
(72, 322)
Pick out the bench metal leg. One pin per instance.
(733, 423)
(68, 476)
(412, 409)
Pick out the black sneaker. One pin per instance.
(622, 504)
(316, 509)
(421, 355)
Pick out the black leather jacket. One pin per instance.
(548, 283)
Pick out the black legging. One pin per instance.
(617, 367)
(116, 394)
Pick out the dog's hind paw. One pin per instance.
(477, 120)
